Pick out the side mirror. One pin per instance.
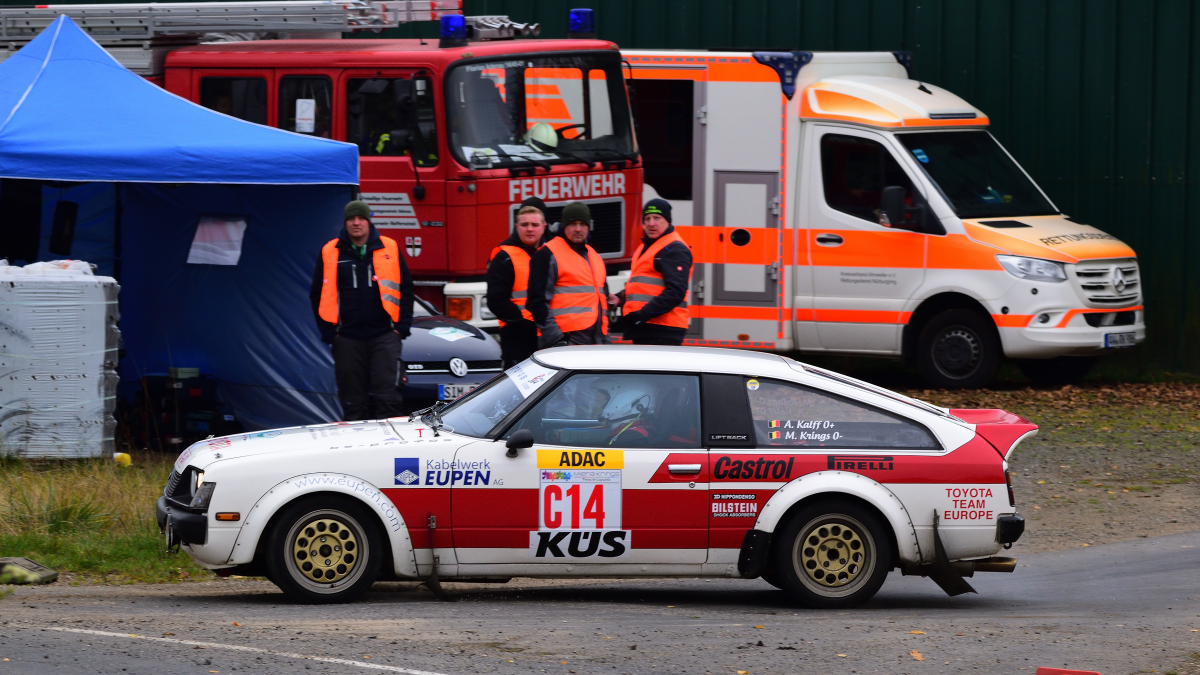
(892, 208)
(522, 438)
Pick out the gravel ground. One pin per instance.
(1109, 463)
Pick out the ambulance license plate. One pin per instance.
(1120, 339)
(449, 392)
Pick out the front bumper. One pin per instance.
(181, 524)
(1071, 340)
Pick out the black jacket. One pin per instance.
(500, 277)
(543, 271)
(674, 263)
(361, 315)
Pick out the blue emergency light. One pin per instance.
(581, 23)
(453, 31)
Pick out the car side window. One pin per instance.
(791, 415)
(855, 170)
(618, 410)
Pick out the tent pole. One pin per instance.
(117, 235)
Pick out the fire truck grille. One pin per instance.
(1109, 283)
(608, 224)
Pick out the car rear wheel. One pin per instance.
(832, 555)
(959, 348)
(324, 550)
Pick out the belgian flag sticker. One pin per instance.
(774, 424)
(773, 435)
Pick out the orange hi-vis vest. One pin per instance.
(579, 289)
(385, 272)
(520, 289)
(645, 284)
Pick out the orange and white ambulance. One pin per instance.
(833, 204)
(859, 211)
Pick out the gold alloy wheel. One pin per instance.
(834, 555)
(325, 550)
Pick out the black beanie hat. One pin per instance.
(356, 208)
(660, 206)
(535, 203)
(576, 211)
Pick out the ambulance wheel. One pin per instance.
(1057, 371)
(832, 555)
(324, 550)
(959, 349)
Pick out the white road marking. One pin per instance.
(236, 648)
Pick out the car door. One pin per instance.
(616, 474)
(863, 273)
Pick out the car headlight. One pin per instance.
(203, 496)
(199, 480)
(1033, 269)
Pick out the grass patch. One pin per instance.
(90, 519)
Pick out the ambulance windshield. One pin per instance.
(976, 175)
(539, 110)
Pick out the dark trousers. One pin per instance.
(370, 376)
(518, 341)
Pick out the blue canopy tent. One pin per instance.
(149, 171)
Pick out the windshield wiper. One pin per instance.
(537, 162)
(632, 159)
(431, 415)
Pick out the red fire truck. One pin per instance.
(452, 133)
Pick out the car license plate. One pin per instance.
(1120, 339)
(449, 392)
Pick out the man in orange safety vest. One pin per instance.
(568, 285)
(362, 296)
(656, 295)
(508, 285)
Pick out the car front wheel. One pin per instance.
(324, 550)
(832, 555)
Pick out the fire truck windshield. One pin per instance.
(539, 109)
(977, 176)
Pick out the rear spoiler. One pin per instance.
(1002, 429)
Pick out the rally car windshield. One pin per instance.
(539, 110)
(480, 411)
(976, 175)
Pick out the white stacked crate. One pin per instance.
(58, 361)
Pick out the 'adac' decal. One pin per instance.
(581, 459)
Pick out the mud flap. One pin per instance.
(941, 571)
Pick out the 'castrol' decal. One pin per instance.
(969, 504)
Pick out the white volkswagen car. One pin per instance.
(615, 461)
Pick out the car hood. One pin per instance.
(440, 338)
(315, 437)
(1048, 237)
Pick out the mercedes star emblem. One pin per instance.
(458, 367)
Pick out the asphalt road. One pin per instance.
(1119, 608)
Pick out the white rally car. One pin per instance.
(615, 461)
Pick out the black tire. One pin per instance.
(344, 536)
(833, 554)
(959, 349)
(1057, 371)
(770, 576)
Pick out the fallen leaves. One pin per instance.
(916, 632)
(916, 655)
(743, 672)
(842, 655)
(236, 623)
(760, 626)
